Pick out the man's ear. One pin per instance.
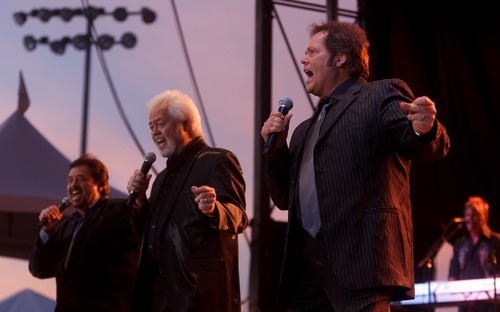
(340, 60)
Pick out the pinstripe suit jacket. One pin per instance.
(362, 167)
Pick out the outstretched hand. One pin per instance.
(421, 114)
(205, 198)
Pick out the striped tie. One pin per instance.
(308, 198)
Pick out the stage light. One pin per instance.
(29, 43)
(20, 18)
(92, 13)
(106, 42)
(81, 42)
(128, 40)
(58, 47)
(120, 14)
(44, 15)
(66, 14)
(148, 16)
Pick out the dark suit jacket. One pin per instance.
(362, 166)
(198, 255)
(100, 272)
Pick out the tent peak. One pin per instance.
(23, 99)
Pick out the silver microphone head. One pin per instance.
(287, 103)
(150, 157)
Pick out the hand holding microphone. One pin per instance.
(458, 221)
(285, 105)
(149, 159)
(63, 205)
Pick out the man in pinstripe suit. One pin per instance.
(358, 256)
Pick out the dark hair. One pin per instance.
(348, 39)
(98, 170)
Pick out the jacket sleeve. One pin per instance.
(227, 179)
(277, 176)
(45, 256)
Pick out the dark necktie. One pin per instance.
(78, 221)
(308, 198)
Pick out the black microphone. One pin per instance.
(458, 221)
(149, 159)
(286, 104)
(63, 205)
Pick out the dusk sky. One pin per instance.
(220, 39)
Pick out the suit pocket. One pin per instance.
(209, 284)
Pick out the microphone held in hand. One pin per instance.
(286, 104)
(456, 222)
(63, 205)
(149, 159)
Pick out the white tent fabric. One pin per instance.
(27, 300)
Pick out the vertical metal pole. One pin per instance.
(263, 73)
(86, 86)
(332, 10)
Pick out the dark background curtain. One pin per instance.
(451, 53)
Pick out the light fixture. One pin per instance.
(148, 16)
(81, 42)
(20, 18)
(106, 42)
(44, 14)
(92, 12)
(58, 47)
(120, 14)
(66, 14)
(29, 43)
(128, 40)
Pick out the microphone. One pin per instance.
(458, 221)
(63, 205)
(286, 104)
(149, 159)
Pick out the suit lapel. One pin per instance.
(338, 109)
(174, 192)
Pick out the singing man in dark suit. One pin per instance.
(345, 183)
(189, 260)
(94, 254)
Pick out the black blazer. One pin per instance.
(198, 255)
(100, 273)
(362, 167)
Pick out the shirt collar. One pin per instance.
(175, 162)
(342, 88)
(336, 94)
